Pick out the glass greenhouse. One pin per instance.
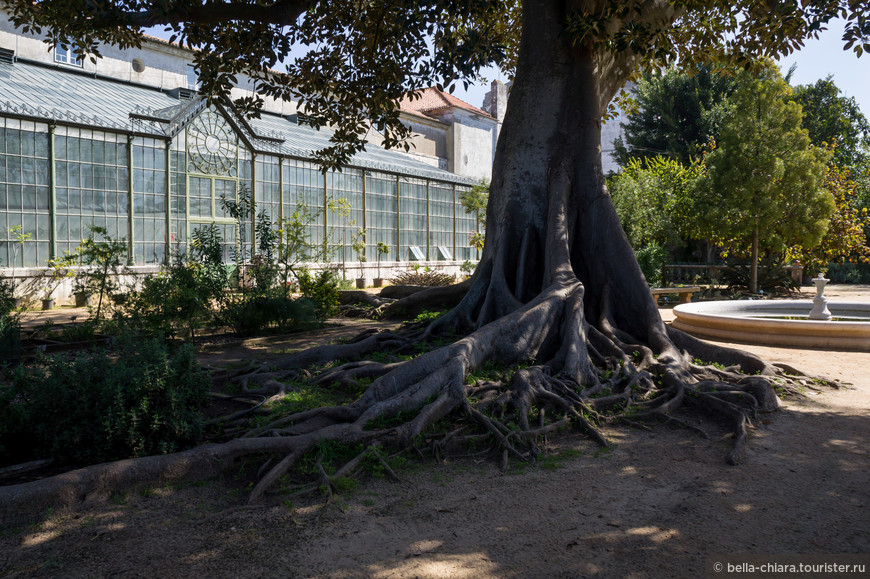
(151, 166)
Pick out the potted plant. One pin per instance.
(383, 249)
(359, 246)
(15, 234)
(59, 269)
(80, 293)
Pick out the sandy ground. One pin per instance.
(661, 504)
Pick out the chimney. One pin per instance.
(495, 101)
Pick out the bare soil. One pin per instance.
(659, 505)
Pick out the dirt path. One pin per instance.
(658, 505)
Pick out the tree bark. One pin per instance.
(753, 268)
(551, 137)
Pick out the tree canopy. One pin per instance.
(653, 198)
(674, 114)
(362, 57)
(836, 120)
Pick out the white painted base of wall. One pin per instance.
(29, 281)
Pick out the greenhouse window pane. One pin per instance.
(28, 146)
(75, 228)
(14, 197)
(28, 224)
(13, 142)
(29, 255)
(43, 171)
(60, 144)
(62, 227)
(87, 201)
(13, 169)
(86, 150)
(75, 200)
(28, 194)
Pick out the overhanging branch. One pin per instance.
(280, 13)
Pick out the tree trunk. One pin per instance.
(550, 218)
(753, 267)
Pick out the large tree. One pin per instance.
(834, 119)
(558, 290)
(765, 188)
(675, 114)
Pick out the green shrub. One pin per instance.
(321, 289)
(652, 260)
(10, 327)
(249, 314)
(102, 261)
(178, 298)
(7, 297)
(772, 278)
(847, 273)
(423, 278)
(142, 399)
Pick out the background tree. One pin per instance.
(557, 281)
(765, 189)
(845, 239)
(836, 120)
(831, 118)
(675, 114)
(653, 199)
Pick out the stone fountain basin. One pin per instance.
(747, 321)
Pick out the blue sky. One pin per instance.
(825, 56)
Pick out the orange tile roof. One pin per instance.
(432, 99)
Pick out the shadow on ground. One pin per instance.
(659, 505)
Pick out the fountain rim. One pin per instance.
(733, 320)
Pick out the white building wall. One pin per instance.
(165, 65)
(472, 139)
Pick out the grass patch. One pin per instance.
(557, 460)
(307, 396)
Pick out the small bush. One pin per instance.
(652, 260)
(772, 278)
(93, 407)
(7, 297)
(249, 314)
(178, 300)
(321, 289)
(847, 273)
(77, 332)
(10, 327)
(426, 316)
(423, 278)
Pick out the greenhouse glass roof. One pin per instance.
(47, 93)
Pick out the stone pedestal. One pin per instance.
(820, 302)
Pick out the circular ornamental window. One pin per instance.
(211, 145)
